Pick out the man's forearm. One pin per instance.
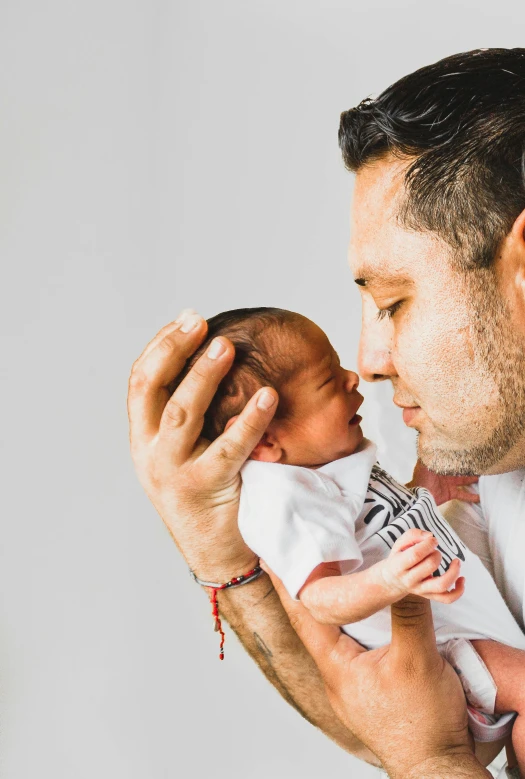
(255, 613)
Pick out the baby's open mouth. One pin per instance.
(356, 419)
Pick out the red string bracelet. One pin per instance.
(245, 578)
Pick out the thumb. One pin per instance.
(413, 636)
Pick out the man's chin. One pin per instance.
(444, 459)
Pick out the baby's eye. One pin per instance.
(390, 311)
(331, 378)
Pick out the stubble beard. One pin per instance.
(500, 352)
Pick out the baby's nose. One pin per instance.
(351, 381)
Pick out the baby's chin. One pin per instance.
(330, 457)
(317, 459)
(341, 455)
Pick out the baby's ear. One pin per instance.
(267, 450)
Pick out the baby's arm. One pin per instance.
(338, 600)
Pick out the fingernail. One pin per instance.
(215, 349)
(263, 565)
(265, 400)
(183, 315)
(189, 321)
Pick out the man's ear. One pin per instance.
(510, 270)
(268, 450)
(518, 228)
(517, 239)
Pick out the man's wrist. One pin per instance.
(250, 592)
(235, 581)
(210, 571)
(452, 766)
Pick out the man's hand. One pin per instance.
(403, 701)
(409, 567)
(444, 488)
(193, 485)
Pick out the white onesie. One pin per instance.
(350, 511)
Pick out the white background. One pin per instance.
(156, 155)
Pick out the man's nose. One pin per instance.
(375, 351)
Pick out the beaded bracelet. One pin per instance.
(245, 578)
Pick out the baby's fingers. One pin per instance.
(409, 550)
(453, 595)
(440, 584)
(410, 538)
(422, 572)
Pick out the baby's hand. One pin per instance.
(411, 563)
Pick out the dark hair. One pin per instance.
(463, 120)
(262, 359)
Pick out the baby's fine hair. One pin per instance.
(263, 358)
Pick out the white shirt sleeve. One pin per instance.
(296, 518)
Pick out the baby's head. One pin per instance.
(316, 419)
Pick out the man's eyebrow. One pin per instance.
(377, 278)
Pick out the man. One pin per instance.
(438, 252)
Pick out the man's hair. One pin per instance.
(263, 358)
(462, 122)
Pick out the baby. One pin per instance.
(343, 535)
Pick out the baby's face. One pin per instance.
(322, 398)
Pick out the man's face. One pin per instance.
(443, 338)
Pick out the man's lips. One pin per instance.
(410, 413)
